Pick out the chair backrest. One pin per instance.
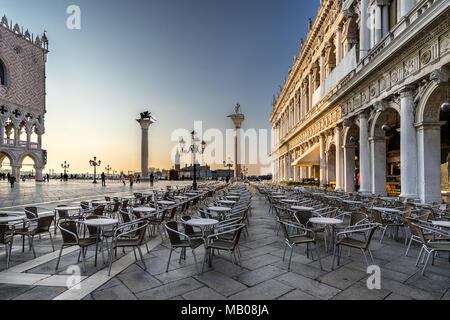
(62, 214)
(237, 236)
(71, 226)
(116, 207)
(303, 217)
(356, 217)
(187, 228)
(44, 223)
(84, 205)
(31, 212)
(125, 204)
(3, 229)
(92, 230)
(173, 237)
(98, 211)
(377, 217)
(173, 212)
(371, 232)
(108, 199)
(125, 216)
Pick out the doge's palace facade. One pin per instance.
(365, 98)
(22, 97)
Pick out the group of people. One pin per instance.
(11, 179)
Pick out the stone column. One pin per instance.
(338, 142)
(39, 176)
(15, 172)
(2, 132)
(364, 34)
(29, 132)
(145, 124)
(378, 161)
(406, 6)
(16, 136)
(429, 162)
(338, 45)
(237, 121)
(385, 12)
(310, 92)
(364, 152)
(408, 145)
(323, 180)
(378, 24)
(39, 143)
(349, 166)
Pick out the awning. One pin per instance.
(309, 158)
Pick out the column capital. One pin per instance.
(363, 114)
(383, 3)
(429, 125)
(407, 91)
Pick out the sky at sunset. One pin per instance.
(184, 60)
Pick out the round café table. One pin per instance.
(229, 202)
(204, 224)
(220, 211)
(99, 224)
(300, 208)
(144, 210)
(289, 201)
(232, 197)
(327, 222)
(445, 224)
(166, 203)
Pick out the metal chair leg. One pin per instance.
(290, 258)
(426, 262)
(318, 256)
(168, 262)
(409, 246)
(284, 253)
(418, 258)
(142, 257)
(365, 257)
(195, 260)
(51, 240)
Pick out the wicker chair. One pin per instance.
(6, 238)
(301, 235)
(70, 237)
(42, 227)
(129, 235)
(179, 240)
(352, 242)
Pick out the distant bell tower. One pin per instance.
(177, 161)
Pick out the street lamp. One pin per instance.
(108, 169)
(196, 146)
(244, 172)
(228, 164)
(94, 163)
(65, 166)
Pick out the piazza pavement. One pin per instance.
(263, 275)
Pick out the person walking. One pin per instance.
(12, 180)
(122, 178)
(152, 179)
(131, 180)
(9, 177)
(103, 179)
(48, 177)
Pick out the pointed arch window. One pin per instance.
(2, 74)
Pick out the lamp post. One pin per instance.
(94, 163)
(228, 164)
(65, 166)
(195, 147)
(108, 169)
(244, 173)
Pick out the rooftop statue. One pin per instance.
(147, 115)
(237, 109)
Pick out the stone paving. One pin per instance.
(263, 274)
